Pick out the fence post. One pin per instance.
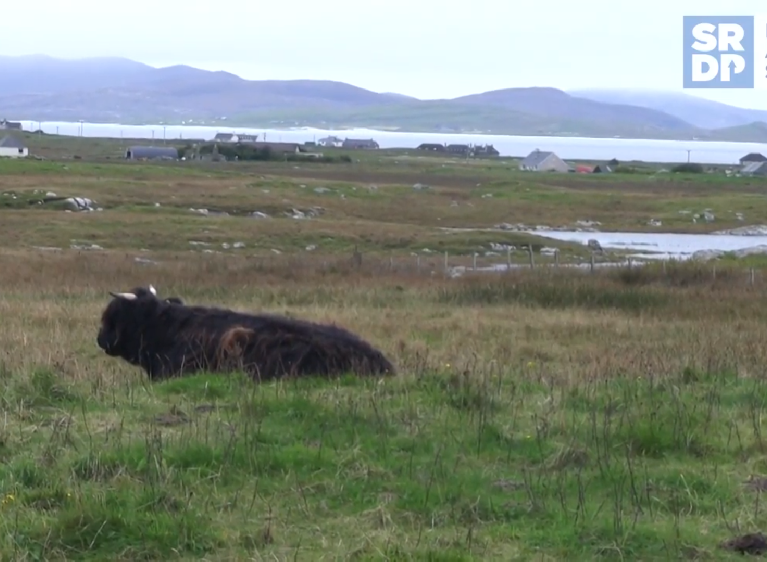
(631, 263)
(713, 272)
(556, 257)
(391, 262)
(475, 261)
(447, 268)
(418, 263)
(593, 262)
(532, 259)
(664, 266)
(508, 257)
(752, 276)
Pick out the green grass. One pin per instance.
(439, 467)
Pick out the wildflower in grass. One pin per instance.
(8, 499)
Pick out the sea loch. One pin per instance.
(575, 148)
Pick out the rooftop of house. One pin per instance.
(10, 141)
(536, 157)
(754, 157)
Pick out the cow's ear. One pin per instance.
(126, 296)
(144, 292)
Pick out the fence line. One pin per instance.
(444, 264)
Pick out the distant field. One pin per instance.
(471, 193)
(538, 414)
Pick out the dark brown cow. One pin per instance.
(168, 338)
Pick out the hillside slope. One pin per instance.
(703, 113)
(121, 90)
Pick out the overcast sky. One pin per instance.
(425, 48)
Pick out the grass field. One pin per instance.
(537, 415)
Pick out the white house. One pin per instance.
(10, 125)
(541, 161)
(234, 138)
(12, 147)
(330, 141)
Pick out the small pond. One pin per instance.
(658, 245)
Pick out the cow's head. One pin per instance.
(128, 319)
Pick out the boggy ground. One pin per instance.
(543, 415)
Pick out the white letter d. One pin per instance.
(698, 61)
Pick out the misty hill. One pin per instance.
(556, 103)
(697, 111)
(110, 89)
(121, 90)
(40, 74)
(753, 132)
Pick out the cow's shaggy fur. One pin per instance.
(168, 338)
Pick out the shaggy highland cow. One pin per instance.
(168, 338)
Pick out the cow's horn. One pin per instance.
(128, 296)
(152, 290)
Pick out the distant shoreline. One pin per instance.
(665, 151)
(223, 127)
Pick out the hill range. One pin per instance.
(39, 87)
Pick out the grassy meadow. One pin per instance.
(538, 414)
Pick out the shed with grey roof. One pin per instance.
(360, 144)
(754, 169)
(753, 157)
(13, 147)
(151, 153)
(543, 161)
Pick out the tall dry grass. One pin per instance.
(567, 321)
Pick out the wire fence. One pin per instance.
(446, 265)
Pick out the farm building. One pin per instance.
(462, 149)
(754, 169)
(234, 138)
(10, 125)
(330, 141)
(602, 169)
(543, 161)
(752, 157)
(360, 144)
(487, 150)
(151, 153)
(12, 147)
(434, 147)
